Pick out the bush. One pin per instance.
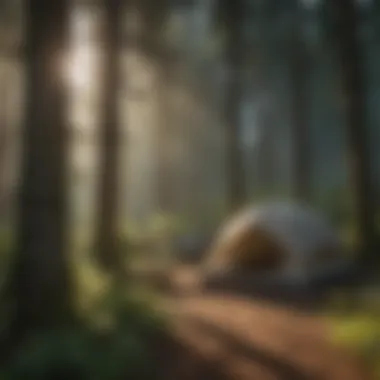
(113, 342)
(80, 354)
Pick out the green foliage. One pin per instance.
(355, 324)
(336, 203)
(113, 341)
(80, 354)
(112, 338)
(158, 226)
(164, 224)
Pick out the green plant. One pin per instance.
(113, 341)
(355, 323)
(81, 354)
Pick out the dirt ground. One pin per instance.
(229, 336)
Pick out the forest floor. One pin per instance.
(229, 336)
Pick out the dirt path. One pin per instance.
(224, 336)
(231, 337)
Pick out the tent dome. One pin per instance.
(277, 238)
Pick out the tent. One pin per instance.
(278, 239)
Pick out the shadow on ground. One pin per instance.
(237, 329)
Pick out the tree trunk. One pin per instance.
(299, 113)
(164, 179)
(40, 282)
(153, 45)
(266, 154)
(234, 15)
(107, 231)
(3, 137)
(354, 98)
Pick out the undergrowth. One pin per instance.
(113, 337)
(355, 320)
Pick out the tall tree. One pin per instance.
(10, 28)
(266, 154)
(153, 45)
(299, 72)
(3, 135)
(231, 14)
(40, 282)
(349, 54)
(163, 174)
(107, 232)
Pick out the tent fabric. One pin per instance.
(301, 233)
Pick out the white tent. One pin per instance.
(305, 244)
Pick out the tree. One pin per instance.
(299, 71)
(3, 135)
(152, 43)
(353, 107)
(109, 175)
(10, 28)
(231, 14)
(40, 280)
(266, 151)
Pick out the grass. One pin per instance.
(93, 349)
(355, 321)
(112, 337)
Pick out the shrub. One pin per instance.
(81, 354)
(113, 341)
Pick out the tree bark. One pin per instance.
(266, 154)
(107, 229)
(3, 137)
(299, 66)
(164, 179)
(354, 110)
(152, 43)
(40, 279)
(234, 16)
